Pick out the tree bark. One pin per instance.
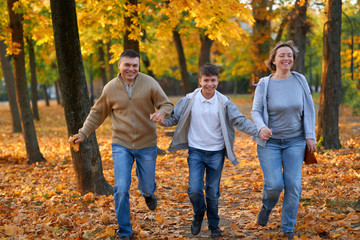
(297, 30)
(111, 66)
(261, 37)
(46, 95)
(87, 161)
(102, 64)
(206, 44)
(57, 91)
(182, 61)
(145, 59)
(330, 95)
(129, 43)
(31, 142)
(34, 93)
(10, 88)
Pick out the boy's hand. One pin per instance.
(158, 118)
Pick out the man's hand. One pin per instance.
(74, 141)
(265, 133)
(158, 118)
(311, 144)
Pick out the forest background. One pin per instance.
(174, 38)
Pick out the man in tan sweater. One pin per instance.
(130, 99)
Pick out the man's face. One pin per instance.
(129, 68)
(208, 85)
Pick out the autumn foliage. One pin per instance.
(40, 201)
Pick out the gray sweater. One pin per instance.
(260, 114)
(229, 115)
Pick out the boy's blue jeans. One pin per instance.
(211, 162)
(123, 159)
(281, 162)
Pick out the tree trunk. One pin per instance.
(31, 142)
(145, 58)
(280, 31)
(10, 88)
(182, 61)
(111, 66)
(46, 95)
(330, 95)
(57, 92)
(87, 161)
(102, 64)
(298, 29)
(206, 44)
(34, 93)
(129, 43)
(261, 37)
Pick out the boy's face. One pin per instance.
(208, 85)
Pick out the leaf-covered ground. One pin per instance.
(40, 201)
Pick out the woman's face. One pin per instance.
(284, 59)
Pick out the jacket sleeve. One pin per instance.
(162, 102)
(258, 107)
(309, 112)
(238, 120)
(176, 114)
(96, 117)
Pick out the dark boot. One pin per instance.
(151, 202)
(289, 235)
(263, 216)
(215, 232)
(196, 224)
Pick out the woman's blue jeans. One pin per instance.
(212, 162)
(123, 159)
(281, 162)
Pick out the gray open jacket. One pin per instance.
(229, 115)
(259, 112)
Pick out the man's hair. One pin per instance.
(209, 69)
(290, 44)
(129, 53)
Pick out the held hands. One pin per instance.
(265, 133)
(311, 145)
(158, 118)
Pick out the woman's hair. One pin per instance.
(270, 61)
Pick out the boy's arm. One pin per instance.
(176, 114)
(238, 120)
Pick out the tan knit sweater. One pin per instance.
(132, 127)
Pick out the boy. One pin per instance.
(205, 122)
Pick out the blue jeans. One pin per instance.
(123, 159)
(281, 162)
(212, 162)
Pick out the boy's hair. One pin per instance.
(209, 69)
(129, 53)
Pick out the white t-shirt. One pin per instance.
(205, 130)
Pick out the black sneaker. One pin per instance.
(151, 202)
(289, 235)
(196, 224)
(263, 216)
(215, 232)
(116, 237)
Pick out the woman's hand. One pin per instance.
(265, 133)
(311, 144)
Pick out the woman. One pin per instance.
(284, 114)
